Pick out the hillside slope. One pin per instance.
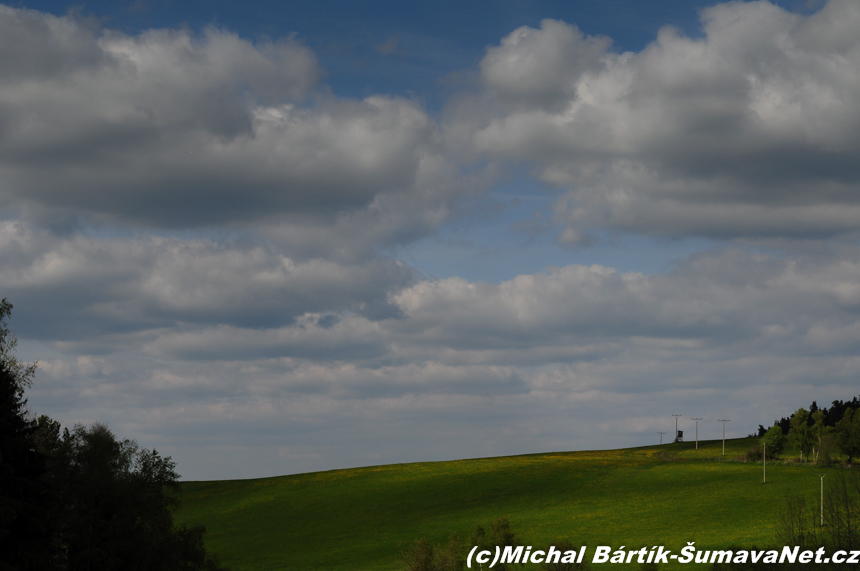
(362, 518)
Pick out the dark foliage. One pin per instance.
(118, 503)
(26, 530)
(832, 415)
(83, 500)
(842, 510)
(754, 454)
(500, 534)
(26, 523)
(848, 433)
(422, 555)
(561, 565)
(773, 442)
(820, 431)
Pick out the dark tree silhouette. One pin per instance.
(26, 523)
(83, 500)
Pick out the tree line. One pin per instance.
(82, 499)
(818, 434)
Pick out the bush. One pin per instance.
(848, 433)
(422, 555)
(826, 449)
(773, 441)
(753, 454)
(564, 546)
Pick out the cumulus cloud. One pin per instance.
(198, 301)
(83, 287)
(749, 131)
(728, 300)
(194, 225)
(172, 129)
(724, 329)
(540, 68)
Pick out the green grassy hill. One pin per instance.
(362, 518)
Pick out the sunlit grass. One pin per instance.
(361, 518)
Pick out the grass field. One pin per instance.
(360, 519)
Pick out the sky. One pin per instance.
(268, 238)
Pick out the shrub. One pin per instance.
(753, 454)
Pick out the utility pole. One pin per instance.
(724, 433)
(697, 431)
(661, 437)
(676, 425)
(822, 498)
(763, 462)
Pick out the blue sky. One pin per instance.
(268, 238)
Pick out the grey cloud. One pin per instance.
(78, 286)
(343, 423)
(750, 131)
(94, 381)
(720, 301)
(37, 45)
(312, 337)
(540, 68)
(198, 302)
(294, 331)
(718, 332)
(167, 129)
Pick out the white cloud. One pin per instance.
(194, 225)
(170, 129)
(540, 68)
(750, 131)
(88, 288)
(501, 365)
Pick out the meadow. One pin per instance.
(363, 518)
